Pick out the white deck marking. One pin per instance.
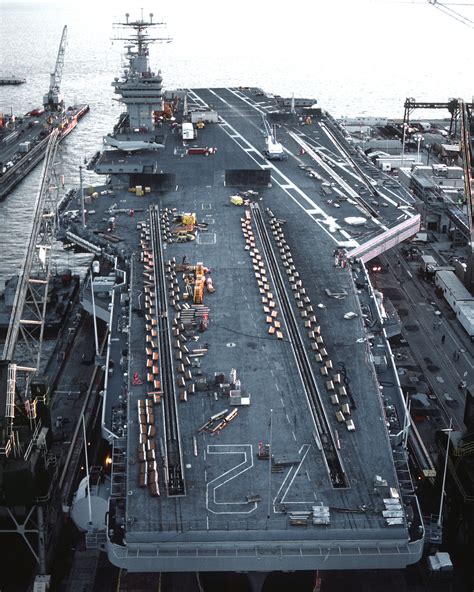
(207, 239)
(234, 134)
(293, 472)
(328, 156)
(241, 449)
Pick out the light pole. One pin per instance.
(270, 450)
(96, 336)
(448, 433)
(428, 149)
(81, 189)
(419, 138)
(403, 142)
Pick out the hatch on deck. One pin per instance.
(158, 182)
(247, 178)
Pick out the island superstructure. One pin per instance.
(251, 402)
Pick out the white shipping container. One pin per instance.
(205, 116)
(187, 131)
(465, 315)
(453, 289)
(428, 261)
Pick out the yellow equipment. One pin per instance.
(188, 219)
(199, 286)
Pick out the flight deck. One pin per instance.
(252, 404)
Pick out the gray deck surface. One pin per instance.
(226, 469)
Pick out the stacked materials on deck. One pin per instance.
(333, 381)
(148, 475)
(268, 301)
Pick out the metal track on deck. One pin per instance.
(324, 433)
(174, 461)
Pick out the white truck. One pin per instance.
(187, 131)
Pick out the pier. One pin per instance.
(12, 80)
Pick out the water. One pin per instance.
(356, 58)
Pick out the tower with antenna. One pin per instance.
(140, 88)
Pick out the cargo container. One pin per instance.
(428, 264)
(465, 316)
(187, 131)
(452, 289)
(25, 147)
(204, 116)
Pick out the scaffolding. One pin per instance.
(24, 437)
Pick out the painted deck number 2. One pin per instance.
(215, 496)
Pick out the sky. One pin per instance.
(381, 46)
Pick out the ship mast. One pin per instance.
(140, 88)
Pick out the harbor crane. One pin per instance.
(54, 99)
(274, 150)
(455, 14)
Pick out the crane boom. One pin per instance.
(466, 154)
(455, 14)
(54, 99)
(274, 150)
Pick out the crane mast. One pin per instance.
(54, 99)
(274, 150)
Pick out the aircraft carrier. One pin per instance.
(251, 402)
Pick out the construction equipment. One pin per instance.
(54, 99)
(263, 451)
(224, 422)
(213, 420)
(199, 285)
(274, 150)
(236, 200)
(188, 219)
